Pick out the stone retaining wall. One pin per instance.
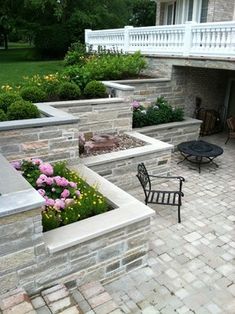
(147, 91)
(52, 138)
(120, 167)
(174, 132)
(98, 248)
(108, 115)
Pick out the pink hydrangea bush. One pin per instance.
(67, 197)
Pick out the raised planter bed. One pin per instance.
(120, 167)
(174, 132)
(98, 248)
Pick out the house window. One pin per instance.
(169, 14)
(169, 17)
(190, 10)
(204, 11)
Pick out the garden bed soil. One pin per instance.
(124, 142)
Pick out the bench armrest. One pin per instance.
(168, 177)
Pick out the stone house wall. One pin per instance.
(191, 78)
(220, 10)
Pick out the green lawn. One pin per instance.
(18, 62)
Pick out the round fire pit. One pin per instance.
(198, 151)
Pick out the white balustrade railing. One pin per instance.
(191, 39)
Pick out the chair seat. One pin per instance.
(164, 197)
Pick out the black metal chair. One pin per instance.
(157, 196)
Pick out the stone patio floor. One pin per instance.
(191, 266)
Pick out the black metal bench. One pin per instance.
(157, 196)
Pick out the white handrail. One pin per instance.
(191, 39)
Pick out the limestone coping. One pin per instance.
(117, 85)
(75, 103)
(53, 115)
(142, 81)
(168, 126)
(128, 210)
(152, 145)
(17, 195)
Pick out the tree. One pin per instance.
(144, 13)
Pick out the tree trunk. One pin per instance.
(6, 41)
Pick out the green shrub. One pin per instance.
(95, 89)
(3, 116)
(106, 67)
(6, 99)
(69, 91)
(177, 114)
(52, 90)
(76, 54)
(160, 112)
(33, 94)
(22, 110)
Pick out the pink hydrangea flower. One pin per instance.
(59, 204)
(135, 104)
(60, 181)
(41, 180)
(46, 169)
(16, 164)
(77, 193)
(49, 181)
(73, 184)
(37, 161)
(42, 192)
(65, 193)
(50, 202)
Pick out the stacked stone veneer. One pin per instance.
(99, 248)
(26, 262)
(100, 115)
(120, 167)
(193, 77)
(175, 132)
(51, 143)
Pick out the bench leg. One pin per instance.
(179, 218)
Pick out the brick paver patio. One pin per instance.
(191, 266)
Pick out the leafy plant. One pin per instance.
(7, 98)
(106, 67)
(76, 54)
(160, 112)
(3, 116)
(22, 109)
(68, 197)
(33, 93)
(69, 91)
(95, 89)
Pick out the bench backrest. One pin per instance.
(143, 176)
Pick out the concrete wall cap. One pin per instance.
(54, 116)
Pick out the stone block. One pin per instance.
(110, 252)
(17, 260)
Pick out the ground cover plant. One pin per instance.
(158, 113)
(68, 197)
